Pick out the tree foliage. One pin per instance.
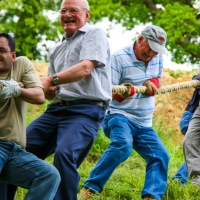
(28, 21)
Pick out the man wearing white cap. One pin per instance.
(128, 123)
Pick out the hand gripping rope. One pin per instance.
(142, 89)
(20, 84)
(161, 90)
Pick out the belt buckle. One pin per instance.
(101, 104)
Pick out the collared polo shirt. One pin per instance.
(126, 68)
(13, 110)
(88, 43)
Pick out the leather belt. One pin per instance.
(82, 101)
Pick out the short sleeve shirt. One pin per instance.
(13, 110)
(126, 68)
(88, 43)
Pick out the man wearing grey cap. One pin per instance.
(128, 123)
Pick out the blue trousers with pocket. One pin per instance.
(125, 135)
(21, 168)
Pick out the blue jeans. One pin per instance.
(182, 173)
(7, 191)
(125, 135)
(184, 122)
(69, 132)
(21, 168)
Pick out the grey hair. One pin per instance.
(144, 38)
(86, 5)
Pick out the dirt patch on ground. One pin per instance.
(169, 106)
(41, 68)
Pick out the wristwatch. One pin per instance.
(55, 79)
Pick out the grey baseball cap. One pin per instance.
(156, 37)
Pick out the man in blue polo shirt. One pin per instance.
(128, 123)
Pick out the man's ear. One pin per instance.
(14, 55)
(140, 39)
(87, 17)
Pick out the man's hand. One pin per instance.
(197, 77)
(10, 88)
(152, 85)
(51, 93)
(49, 90)
(46, 82)
(120, 97)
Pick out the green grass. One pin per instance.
(127, 180)
(178, 73)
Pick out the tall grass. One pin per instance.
(127, 180)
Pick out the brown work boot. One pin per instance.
(85, 194)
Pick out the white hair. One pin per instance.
(86, 5)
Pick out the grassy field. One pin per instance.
(127, 180)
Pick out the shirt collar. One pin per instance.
(84, 28)
(133, 57)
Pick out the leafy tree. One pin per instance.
(178, 18)
(28, 21)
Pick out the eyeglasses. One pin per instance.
(72, 11)
(4, 51)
